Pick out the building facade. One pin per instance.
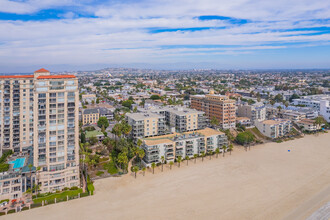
(254, 112)
(182, 144)
(275, 128)
(216, 106)
(40, 111)
(90, 116)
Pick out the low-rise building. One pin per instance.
(308, 125)
(89, 98)
(275, 128)
(98, 134)
(90, 116)
(245, 121)
(182, 144)
(255, 111)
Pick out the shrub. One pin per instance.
(74, 188)
(245, 137)
(99, 173)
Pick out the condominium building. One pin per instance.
(161, 120)
(182, 144)
(182, 119)
(325, 109)
(254, 112)
(90, 116)
(146, 124)
(312, 101)
(41, 111)
(216, 106)
(308, 125)
(275, 128)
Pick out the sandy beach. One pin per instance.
(267, 182)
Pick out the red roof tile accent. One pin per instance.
(56, 77)
(16, 76)
(42, 70)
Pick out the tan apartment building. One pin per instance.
(90, 116)
(146, 124)
(41, 111)
(216, 106)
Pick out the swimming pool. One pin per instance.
(18, 163)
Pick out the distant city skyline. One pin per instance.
(211, 34)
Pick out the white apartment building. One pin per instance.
(274, 128)
(40, 111)
(325, 109)
(182, 144)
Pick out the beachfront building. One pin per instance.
(182, 144)
(90, 116)
(41, 111)
(325, 109)
(146, 124)
(255, 111)
(312, 101)
(308, 125)
(216, 106)
(275, 128)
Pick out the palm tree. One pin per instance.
(144, 170)
(38, 170)
(171, 164)
(187, 159)
(203, 155)
(224, 148)
(210, 153)
(153, 165)
(217, 151)
(141, 154)
(162, 159)
(135, 170)
(30, 168)
(230, 148)
(179, 160)
(195, 157)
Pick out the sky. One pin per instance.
(165, 34)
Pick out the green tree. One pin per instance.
(224, 148)
(135, 170)
(217, 151)
(187, 158)
(123, 160)
(93, 140)
(195, 157)
(106, 141)
(153, 165)
(203, 155)
(143, 170)
(179, 159)
(82, 137)
(103, 122)
(162, 158)
(214, 121)
(141, 154)
(245, 137)
(230, 148)
(171, 164)
(155, 97)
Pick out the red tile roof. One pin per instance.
(56, 77)
(42, 70)
(16, 76)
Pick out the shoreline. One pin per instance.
(267, 182)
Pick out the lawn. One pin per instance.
(111, 167)
(60, 196)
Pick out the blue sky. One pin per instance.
(167, 34)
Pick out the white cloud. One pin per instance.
(122, 32)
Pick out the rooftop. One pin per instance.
(95, 133)
(42, 70)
